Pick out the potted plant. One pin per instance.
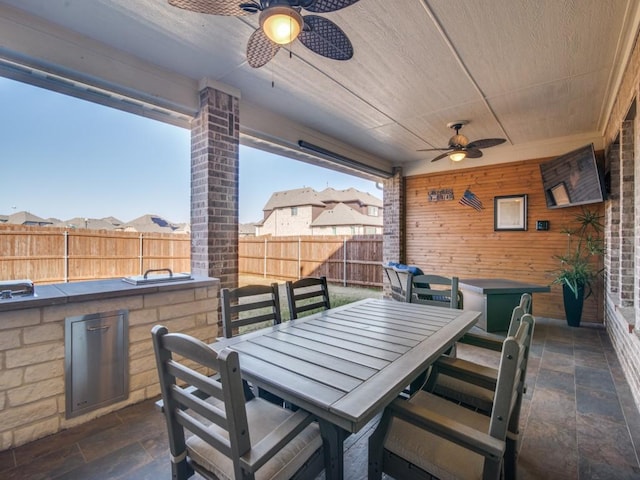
(579, 265)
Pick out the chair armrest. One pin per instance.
(483, 376)
(468, 437)
(266, 448)
(483, 340)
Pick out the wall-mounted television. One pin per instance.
(574, 178)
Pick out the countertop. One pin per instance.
(62, 293)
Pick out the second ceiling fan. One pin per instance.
(460, 147)
(281, 23)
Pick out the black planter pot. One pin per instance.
(573, 305)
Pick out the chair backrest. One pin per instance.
(433, 290)
(511, 376)
(183, 409)
(397, 281)
(307, 294)
(249, 305)
(525, 302)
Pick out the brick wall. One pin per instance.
(32, 385)
(623, 224)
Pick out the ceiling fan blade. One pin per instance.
(473, 153)
(440, 157)
(433, 149)
(260, 49)
(216, 7)
(325, 38)
(324, 6)
(486, 143)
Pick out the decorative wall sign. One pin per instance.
(471, 200)
(441, 195)
(510, 212)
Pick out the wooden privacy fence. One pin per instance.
(56, 255)
(349, 260)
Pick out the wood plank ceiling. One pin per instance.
(539, 74)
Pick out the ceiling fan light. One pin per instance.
(457, 155)
(281, 24)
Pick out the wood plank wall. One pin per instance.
(456, 240)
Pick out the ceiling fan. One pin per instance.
(460, 147)
(281, 23)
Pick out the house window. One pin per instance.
(372, 211)
(294, 211)
(334, 230)
(353, 230)
(370, 230)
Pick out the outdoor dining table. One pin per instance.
(346, 364)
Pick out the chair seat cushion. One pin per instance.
(263, 417)
(434, 454)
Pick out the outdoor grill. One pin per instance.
(12, 288)
(160, 275)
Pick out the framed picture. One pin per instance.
(510, 212)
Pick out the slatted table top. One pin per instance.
(346, 364)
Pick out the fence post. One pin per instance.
(344, 261)
(66, 256)
(299, 255)
(141, 258)
(264, 272)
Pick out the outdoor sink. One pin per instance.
(161, 275)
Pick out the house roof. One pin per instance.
(148, 223)
(293, 198)
(349, 195)
(342, 214)
(22, 218)
(90, 223)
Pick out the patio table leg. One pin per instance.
(333, 444)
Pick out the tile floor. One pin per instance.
(579, 422)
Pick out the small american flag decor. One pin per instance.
(471, 200)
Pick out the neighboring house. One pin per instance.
(26, 218)
(88, 223)
(344, 220)
(148, 223)
(304, 211)
(247, 230)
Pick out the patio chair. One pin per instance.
(249, 305)
(429, 435)
(306, 294)
(433, 290)
(229, 438)
(470, 383)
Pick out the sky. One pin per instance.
(62, 157)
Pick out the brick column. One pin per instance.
(393, 238)
(612, 223)
(214, 187)
(627, 213)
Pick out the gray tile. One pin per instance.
(598, 405)
(594, 378)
